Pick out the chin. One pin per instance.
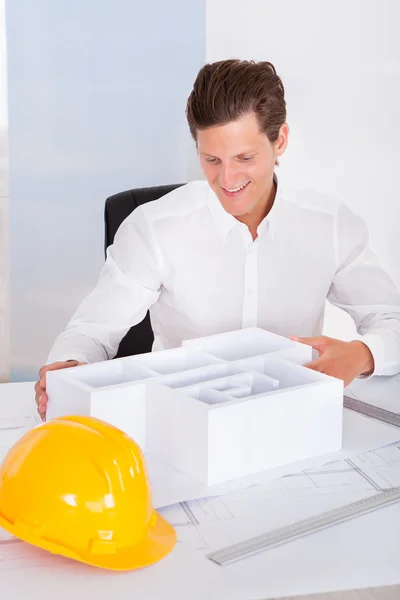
(236, 213)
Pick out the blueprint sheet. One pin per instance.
(208, 523)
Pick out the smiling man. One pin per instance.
(237, 249)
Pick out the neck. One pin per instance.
(253, 219)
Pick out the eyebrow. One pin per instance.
(248, 152)
(240, 153)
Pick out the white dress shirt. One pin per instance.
(199, 272)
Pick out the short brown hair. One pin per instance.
(226, 90)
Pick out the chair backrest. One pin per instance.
(140, 337)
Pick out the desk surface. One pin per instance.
(391, 592)
(362, 552)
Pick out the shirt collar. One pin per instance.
(224, 222)
(271, 219)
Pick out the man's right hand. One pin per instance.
(40, 387)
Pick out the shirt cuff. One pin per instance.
(376, 346)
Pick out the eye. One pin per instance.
(211, 160)
(246, 158)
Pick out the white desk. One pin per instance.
(362, 553)
(391, 592)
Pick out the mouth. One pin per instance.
(234, 192)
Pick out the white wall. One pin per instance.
(4, 207)
(97, 95)
(340, 64)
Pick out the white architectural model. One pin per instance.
(217, 408)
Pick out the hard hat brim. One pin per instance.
(160, 541)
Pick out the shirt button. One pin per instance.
(249, 292)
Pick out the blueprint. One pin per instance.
(15, 554)
(207, 523)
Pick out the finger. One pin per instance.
(42, 414)
(42, 404)
(38, 393)
(58, 365)
(38, 388)
(41, 398)
(311, 341)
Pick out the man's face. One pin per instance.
(238, 162)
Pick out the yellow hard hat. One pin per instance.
(79, 487)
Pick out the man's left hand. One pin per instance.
(344, 360)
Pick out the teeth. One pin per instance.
(237, 189)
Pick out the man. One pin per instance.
(237, 250)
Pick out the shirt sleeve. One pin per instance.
(363, 289)
(128, 284)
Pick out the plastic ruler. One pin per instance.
(369, 410)
(303, 528)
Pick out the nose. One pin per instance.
(228, 177)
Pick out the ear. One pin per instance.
(283, 140)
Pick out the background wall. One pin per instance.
(340, 64)
(4, 207)
(97, 92)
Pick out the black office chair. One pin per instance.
(140, 337)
